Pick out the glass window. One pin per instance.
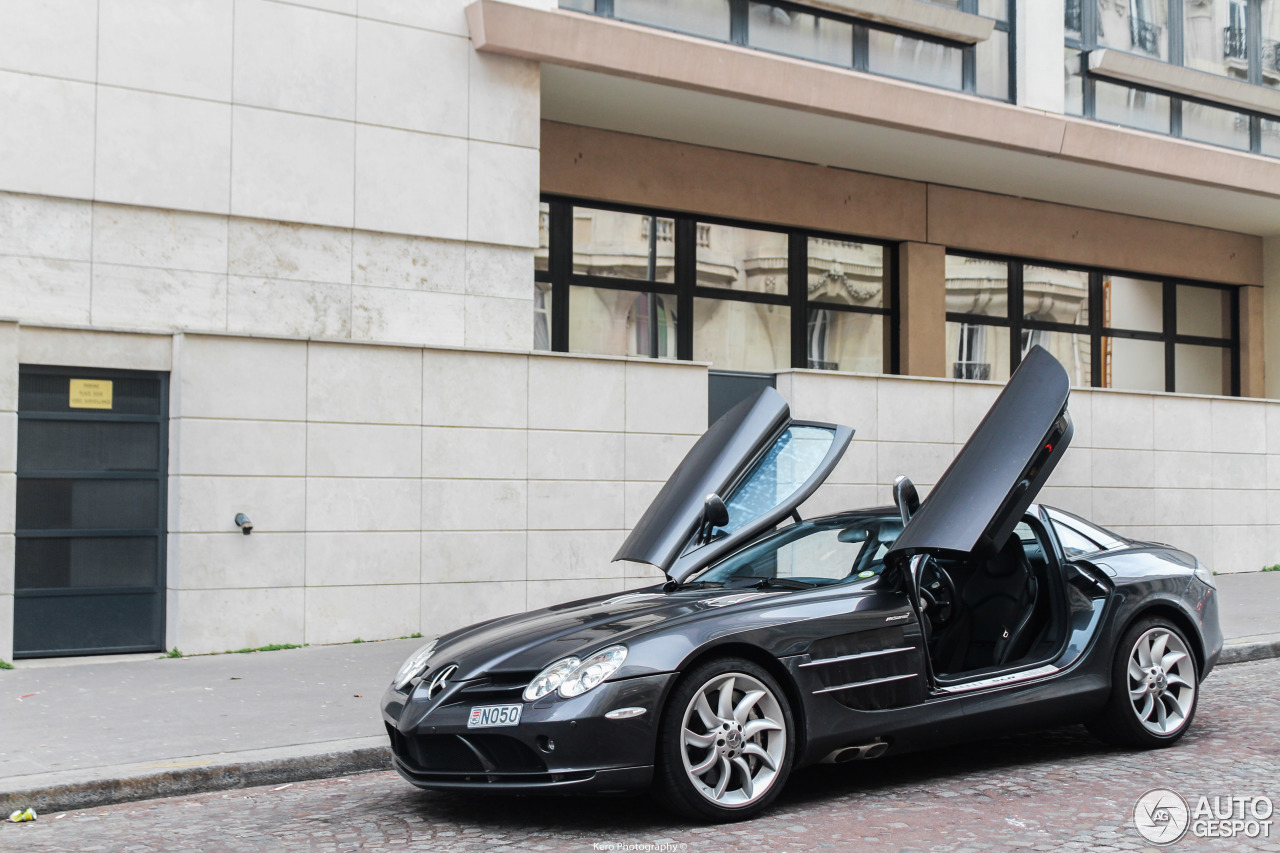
(580, 5)
(709, 18)
(736, 335)
(1052, 295)
(1215, 37)
(1074, 21)
(742, 259)
(1201, 370)
(784, 469)
(1132, 303)
(993, 66)
(977, 286)
(978, 351)
(1074, 100)
(1074, 543)
(1204, 311)
(544, 237)
(1133, 364)
(1137, 26)
(1073, 349)
(818, 552)
(1271, 134)
(1090, 531)
(800, 34)
(1270, 19)
(1216, 126)
(846, 340)
(914, 59)
(845, 273)
(1131, 107)
(998, 9)
(623, 245)
(541, 315)
(621, 322)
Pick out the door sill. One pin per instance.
(1042, 671)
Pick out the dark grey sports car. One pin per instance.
(778, 642)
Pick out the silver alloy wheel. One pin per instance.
(733, 739)
(1162, 677)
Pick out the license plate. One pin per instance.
(490, 716)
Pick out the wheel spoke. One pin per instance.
(1146, 707)
(748, 784)
(758, 751)
(724, 708)
(1176, 680)
(1158, 645)
(1162, 715)
(1144, 652)
(692, 738)
(724, 778)
(1135, 671)
(1175, 706)
(708, 716)
(706, 764)
(744, 707)
(755, 727)
(1137, 692)
(1170, 659)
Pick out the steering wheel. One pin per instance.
(937, 594)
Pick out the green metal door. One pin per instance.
(90, 548)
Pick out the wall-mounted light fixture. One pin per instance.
(243, 522)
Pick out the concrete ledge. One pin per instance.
(78, 789)
(1129, 68)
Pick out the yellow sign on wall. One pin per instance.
(90, 394)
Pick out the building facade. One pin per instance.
(436, 294)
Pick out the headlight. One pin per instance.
(1202, 572)
(574, 677)
(592, 671)
(414, 666)
(549, 679)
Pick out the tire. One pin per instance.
(690, 777)
(1153, 698)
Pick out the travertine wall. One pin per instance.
(396, 490)
(1201, 473)
(159, 146)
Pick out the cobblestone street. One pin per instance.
(1057, 791)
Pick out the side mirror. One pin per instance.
(714, 514)
(906, 497)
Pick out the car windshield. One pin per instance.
(813, 553)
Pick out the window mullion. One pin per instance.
(686, 273)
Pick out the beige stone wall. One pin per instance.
(301, 169)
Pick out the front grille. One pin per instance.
(478, 753)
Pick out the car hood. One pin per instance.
(997, 474)
(525, 643)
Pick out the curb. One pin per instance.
(1244, 652)
(195, 780)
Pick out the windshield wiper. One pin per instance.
(772, 583)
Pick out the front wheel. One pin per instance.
(726, 743)
(1154, 688)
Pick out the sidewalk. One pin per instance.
(87, 732)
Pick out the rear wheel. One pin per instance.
(1154, 688)
(726, 742)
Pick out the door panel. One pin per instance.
(89, 553)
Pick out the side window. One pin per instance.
(1074, 543)
(780, 474)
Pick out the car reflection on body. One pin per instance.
(777, 645)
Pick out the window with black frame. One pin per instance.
(1235, 39)
(1108, 330)
(826, 36)
(745, 297)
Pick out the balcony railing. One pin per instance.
(971, 370)
(1145, 36)
(1235, 43)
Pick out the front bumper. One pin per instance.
(560, 745)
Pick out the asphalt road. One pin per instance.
(1059, 791)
